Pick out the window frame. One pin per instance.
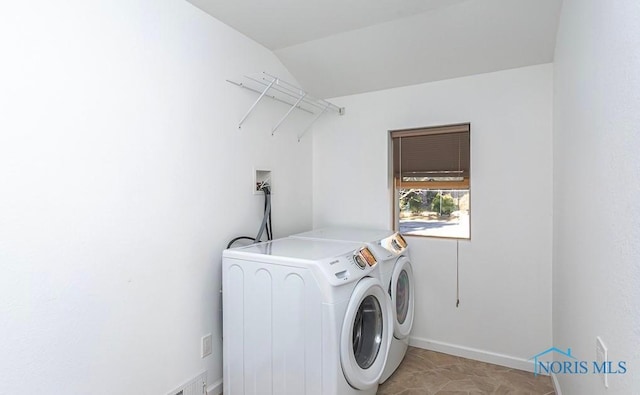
(395, 183)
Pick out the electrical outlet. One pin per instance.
(207, 345)
(601, 358)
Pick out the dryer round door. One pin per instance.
(366, 334)
(402, 297)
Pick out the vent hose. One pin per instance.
(265, 226)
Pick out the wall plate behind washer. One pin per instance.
(261, 176)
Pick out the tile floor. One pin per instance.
(430, 373)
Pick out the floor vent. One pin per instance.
(195, 386)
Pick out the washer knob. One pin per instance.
(360, 261)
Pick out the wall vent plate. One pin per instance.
(207, 345)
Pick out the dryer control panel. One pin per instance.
(395, 243)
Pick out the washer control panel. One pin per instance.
(358, 263)
(364, 258)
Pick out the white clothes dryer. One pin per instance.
(303, 317)
(396, 274)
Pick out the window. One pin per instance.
(431, 181)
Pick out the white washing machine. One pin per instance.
(396, 274)
(303, 316)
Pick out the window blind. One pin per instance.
(434, 154)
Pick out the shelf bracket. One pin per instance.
(303, 94)
(326, 107)
(256, 102)
(274, 88)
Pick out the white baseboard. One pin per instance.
(556, 384)
(215, 388)
(473, 353)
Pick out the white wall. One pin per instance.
(505, 270)
(596, 255)
(122, 177)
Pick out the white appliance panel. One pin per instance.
(280, 317)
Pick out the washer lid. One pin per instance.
(347, 234)
(305, 249)
(366, 334)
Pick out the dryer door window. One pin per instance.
(367, 332)
(402, 295)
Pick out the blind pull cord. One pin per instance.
(457, 273)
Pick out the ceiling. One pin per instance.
(342, 47)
